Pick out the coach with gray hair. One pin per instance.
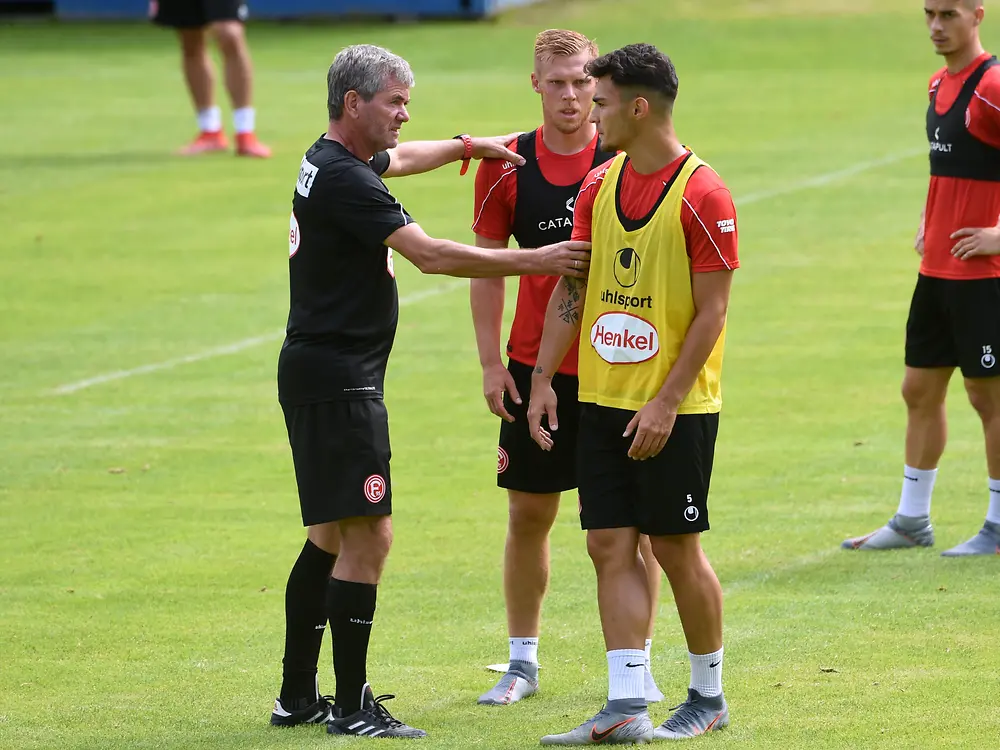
(344, 308)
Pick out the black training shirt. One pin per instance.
(343, 300)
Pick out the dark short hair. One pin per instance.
(640, 66)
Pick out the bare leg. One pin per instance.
(198, 70)
(654, 577)
(526, 560)
(622, 590)
(232, 41)
(924, 391)
(984, 395)
(696, 589)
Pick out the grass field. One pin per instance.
(148, 521)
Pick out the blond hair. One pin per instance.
(562, 43)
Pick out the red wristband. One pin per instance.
(467, 156)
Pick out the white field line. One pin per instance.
(829, 178)
(233, 348)
(818, 181)
(754, 580)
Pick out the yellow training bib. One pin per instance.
(639, 303)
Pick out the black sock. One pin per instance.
(305, 618)
(351, 611)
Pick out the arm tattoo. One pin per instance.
(539, 370)
(570, 306)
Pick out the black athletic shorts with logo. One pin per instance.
(661, 496)
(523, 466)
(955, 323)
(341, 454)
(193, 14)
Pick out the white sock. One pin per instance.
(649, 650)
(524, 649)
(915, 500)
(706, 673)
(210, 120)
(244, 119)
(993, 512)
(627, 674)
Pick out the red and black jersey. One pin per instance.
(534, 203)
(963, 131)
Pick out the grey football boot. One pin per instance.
(900, 533)
(620, 722)
(694, 716)
(520, 681)
(986, 542)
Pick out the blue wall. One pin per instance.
(137, 9)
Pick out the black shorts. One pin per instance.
(955, 323)
(194, 14)
(521, 465)
(661, 496)
(341, 454)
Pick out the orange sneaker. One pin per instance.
(205, 143)
(248, 145)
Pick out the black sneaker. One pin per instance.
(319, 712)
(372, 720)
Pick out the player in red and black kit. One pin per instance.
(955, 313)
(534, 203)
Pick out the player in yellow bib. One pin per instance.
(651, 320)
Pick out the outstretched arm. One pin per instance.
(417, 157)
(449, 258)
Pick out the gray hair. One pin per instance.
(366, 69)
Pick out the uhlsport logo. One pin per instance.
(623, 339)
(691, 513)
(307, 174)
(502, 460)
(375, 488)
(627, 267)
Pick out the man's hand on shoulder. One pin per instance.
(495, 147)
